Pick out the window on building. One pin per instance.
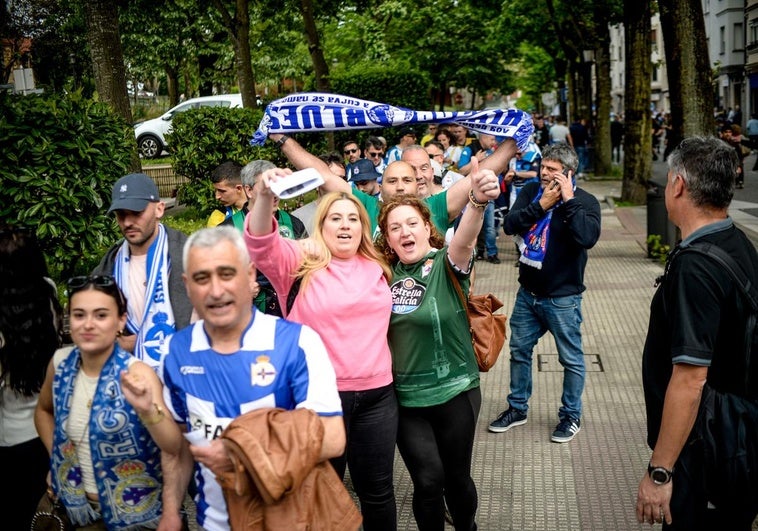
(655, 74)
(753, 35)
(722, 40)
(739, 38)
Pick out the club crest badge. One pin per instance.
(262, 372)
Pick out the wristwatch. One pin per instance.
(659, 474)
(279, 143)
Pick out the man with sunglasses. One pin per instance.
(352, 155)
(374, 150)
(147, 265)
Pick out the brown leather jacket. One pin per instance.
(278, 482)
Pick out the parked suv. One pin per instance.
(151, 139)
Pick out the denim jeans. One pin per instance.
(531, 318)
(487, 239)
(436, 443)
(371, 419)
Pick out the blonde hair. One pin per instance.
(366, 248)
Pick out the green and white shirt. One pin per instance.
(432, 356)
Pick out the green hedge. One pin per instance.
(61, 155)
(201, 139)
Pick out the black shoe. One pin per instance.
(565, 430)
(507, 420)
(493, 259)
(479, 256)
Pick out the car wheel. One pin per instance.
(149, 146)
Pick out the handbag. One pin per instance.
(487, 328)
(51, 515)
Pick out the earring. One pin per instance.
(119, 333)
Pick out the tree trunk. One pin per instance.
(320, 68)
(238, 28)
(637, 120)
(108, 61)
(602, 138)
(689, 69)
(172, 84)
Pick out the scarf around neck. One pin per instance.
(125, 460)
(533, 243)
(157, 322)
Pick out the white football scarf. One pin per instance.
(157, 321)
(314, 112)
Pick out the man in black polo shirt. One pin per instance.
(696, 331)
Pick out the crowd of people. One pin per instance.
(327, 336)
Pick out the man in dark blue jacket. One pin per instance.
(555, 223)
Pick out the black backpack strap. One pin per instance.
(746, 286)
(292, 295)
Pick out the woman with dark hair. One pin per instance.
(452, 151)
(101, 417)
(29, 334)
(435, 370)
(344, 296)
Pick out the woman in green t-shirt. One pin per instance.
(435, 372)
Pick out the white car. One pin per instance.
(151, 134)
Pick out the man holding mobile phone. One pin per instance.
(554, 223)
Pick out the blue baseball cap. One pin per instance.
(133, 192)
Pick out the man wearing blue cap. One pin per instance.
(365, 177)
(147, 266)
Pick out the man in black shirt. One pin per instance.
(696, 332)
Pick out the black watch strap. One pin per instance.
(279, 143)
(659, 475)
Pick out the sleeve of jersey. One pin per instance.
(696, 296)
(173, 396)
(465, 157)
(315, 382)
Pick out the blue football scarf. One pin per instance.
(319, 112)
(126, 461)
(533, 244)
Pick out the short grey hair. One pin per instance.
(252, 171)
(210, 237)
(563, 153)
(708, 166)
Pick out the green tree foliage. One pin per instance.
(201, 139)
(60, 158)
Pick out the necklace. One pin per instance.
(89, 388)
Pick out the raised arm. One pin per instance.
(260, 220)
(301, 159)
(484, 186)
(144, 391)
(457, 195)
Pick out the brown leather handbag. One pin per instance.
(487, 328)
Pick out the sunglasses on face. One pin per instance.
(350, 151)
(374, 155)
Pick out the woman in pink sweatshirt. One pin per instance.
(344, 295)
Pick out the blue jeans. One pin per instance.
(581, 153)
(371, 418)
(487, 239)
(531, 318)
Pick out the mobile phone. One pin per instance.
(554, 184)
(566, 172)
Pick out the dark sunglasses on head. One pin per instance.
(105, 282)
(350, 151)
(100, 281)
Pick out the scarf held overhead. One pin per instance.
(314, 111)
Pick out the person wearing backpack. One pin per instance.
(696, 336)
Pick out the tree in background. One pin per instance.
(689, 69)
(637, 119)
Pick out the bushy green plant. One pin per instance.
(656, 249)
(61, 155)
(201, 139)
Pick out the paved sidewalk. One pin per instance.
(524, 481)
